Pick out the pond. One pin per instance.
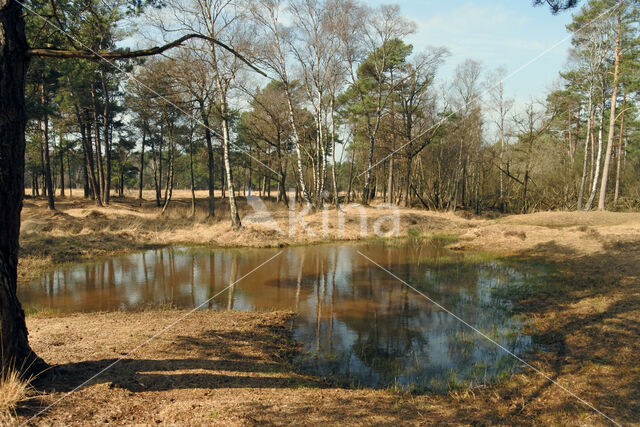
(357, 324)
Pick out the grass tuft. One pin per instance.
(13, 390)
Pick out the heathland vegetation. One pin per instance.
(316, 109)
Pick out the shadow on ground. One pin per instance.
(587, 320)
(588, 323)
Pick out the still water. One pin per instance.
(358, 325)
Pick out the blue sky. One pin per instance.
(507, 33)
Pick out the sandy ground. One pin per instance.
(211, 368)
(233, 368)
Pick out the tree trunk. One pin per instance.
(222, 93)
(222, 181)
(477, 193)
(612, 121)
(233, 209)
(407, 195)
(619, 156)
(373, 132)
(35, 191)
(267, 175)
(322, 157)
(282, 180)
(141, 183)
(61, 154)
(590, 120)
(99, 165)
(527, 167)
(41, 146)
(85, 134)
(353, 159)
(334, 179)
(158, 171)
(15, 349)
(169, 186)
(210, 162)
(296, 145)
(121, 182)
(389, 195)
(48, 181)
(193, 184)
(85, 176)
(70, 182)
(596, 173)
(367, 176)
(106, 124)
(47, 158)
(94, 188)
(248, 175)
(502, 112)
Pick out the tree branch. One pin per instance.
(127, 54)
(557, 5)
(507, 173)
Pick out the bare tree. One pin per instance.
(316, 50)
(532, 125)
(466, 103)
(502, 108)
(589, 53)
(217, 21)
(418, 109)
(273, 53)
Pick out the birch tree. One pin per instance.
(501, 106)
(216, 22)
(273, 53)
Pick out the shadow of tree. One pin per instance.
(209, 360)
(589, 323)
(138, 375)
(592, 327)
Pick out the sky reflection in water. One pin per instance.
(357, 324)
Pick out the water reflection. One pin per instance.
(356, 322)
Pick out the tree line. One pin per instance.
(351, 113)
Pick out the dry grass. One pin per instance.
(79, 230)
(14, 389)
(232, 368)
(572, 219)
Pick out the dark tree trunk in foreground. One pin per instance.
(14, 344)
(13, 66)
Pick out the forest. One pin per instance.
(331, 100)
(224, 212)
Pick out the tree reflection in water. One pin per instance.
(357, 324)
